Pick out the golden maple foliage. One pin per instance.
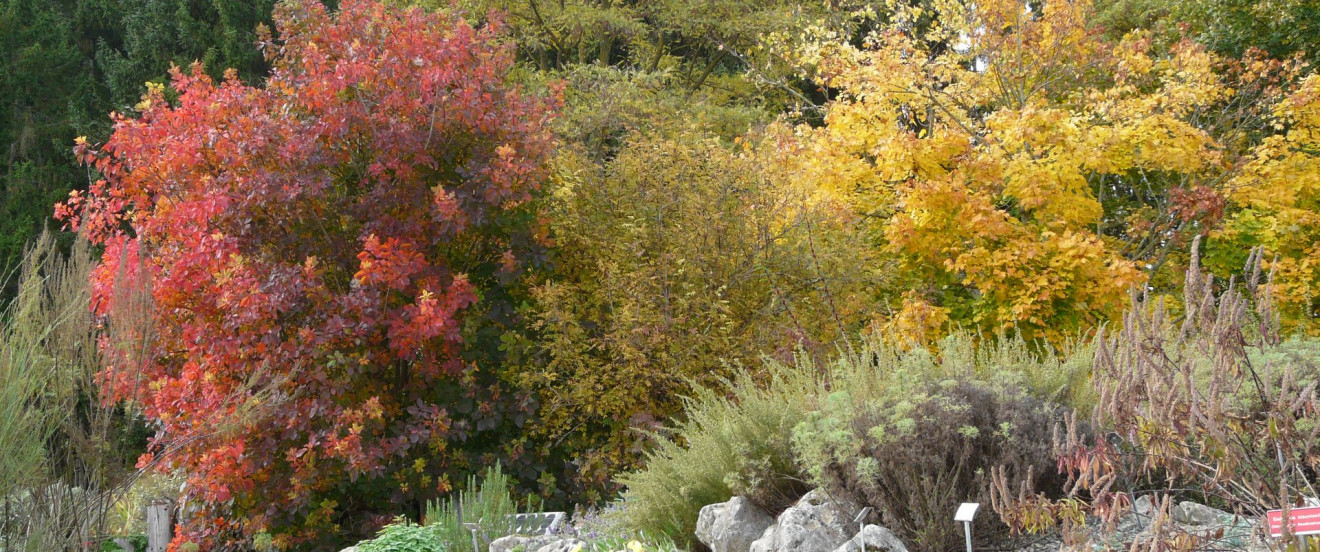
(1278, 192)
(982, 141)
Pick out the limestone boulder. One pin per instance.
(816, 523)
(873, 538)
(732, 526)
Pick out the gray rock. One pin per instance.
(523, 544)
(506, 544)
(815, 524)
(731, 526)
(875, 538)
(1143, 506)
(1192, 513)
(127, 546)
(563, 545)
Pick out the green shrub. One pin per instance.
(138, 542)
(915, 457)
(603, 531)
(777, 432)
(739, 444)
(125, 516)
(913, 433)
(404, 536)
(1057, 375)
(486, 503)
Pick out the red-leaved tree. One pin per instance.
(315, 248)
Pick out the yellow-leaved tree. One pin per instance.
(1277, 195)
(675, 261)
(1022, 170)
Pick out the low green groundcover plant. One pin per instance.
(404, 536)
(138, 542)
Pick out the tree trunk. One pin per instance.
(606, 46)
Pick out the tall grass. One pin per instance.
(727, 444)
(65, 455)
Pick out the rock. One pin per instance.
(815, 524)
(540, 543)
(1192, 513)
(875, 538)
(126, 546)
(731, 526)
(1142, 506)
(506, 544)
(523, 543)
(564, 545)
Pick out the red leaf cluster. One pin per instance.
(297, 239)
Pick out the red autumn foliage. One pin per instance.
(306, 243)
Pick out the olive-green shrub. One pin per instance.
(773, 433)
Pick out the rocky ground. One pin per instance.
(817, 523)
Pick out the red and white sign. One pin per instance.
(1302, 521)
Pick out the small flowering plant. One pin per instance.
(613, 545)
(602, 530)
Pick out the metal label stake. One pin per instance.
(860, 520)
(966, 512)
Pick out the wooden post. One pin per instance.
(160, 526)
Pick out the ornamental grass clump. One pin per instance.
(728, 444)
(65, 456)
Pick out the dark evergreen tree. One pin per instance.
(66, 64)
